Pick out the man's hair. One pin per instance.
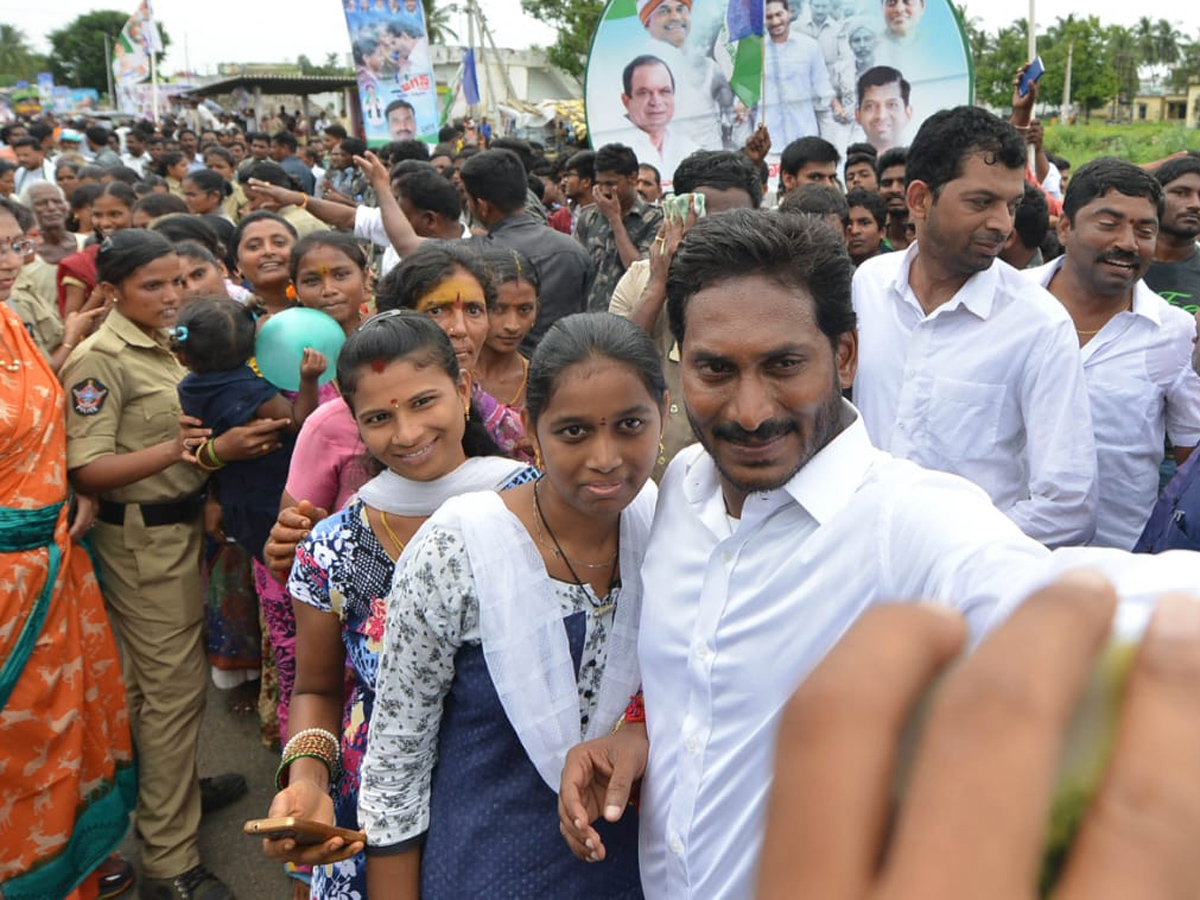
(646, 59)
(584, 164)
(286, 139)
(816, 200)
(498, 177)
(431, 191)
(252, 136)
(893, 156)
(805, 150)
(1032, 219)
(524, 152)
(410, 148)
(786, 5)
(1174, 168)
(616, 158)
(1108, 173)
(335, 131)
(720, 169)
(857, 159)
(793, 251)
(870, 201)
(27, 142)
(40, 130)
(879, 76)
(945, 140)
(654, 169)
(97, 134)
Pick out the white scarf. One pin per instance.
(524, 640)
(400, 496)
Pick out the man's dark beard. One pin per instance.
(826, 425)
(1186, 234)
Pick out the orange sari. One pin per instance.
(67, 778)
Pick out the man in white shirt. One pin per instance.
(32, 162)
(769, 540)
(796, 83)
(964, 365)
(1136, 348)
(649, 98)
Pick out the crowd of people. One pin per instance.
(606, 501)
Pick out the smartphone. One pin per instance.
(1030, 76)
(304, 832)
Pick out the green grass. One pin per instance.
(1139, 142)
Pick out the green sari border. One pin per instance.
(99, 829)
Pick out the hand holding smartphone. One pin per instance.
(305, 832)
(1033, 72)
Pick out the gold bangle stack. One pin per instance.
(312, 743)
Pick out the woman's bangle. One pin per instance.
(66, 346)
(214, 463)
(303, 204)
(311, 743)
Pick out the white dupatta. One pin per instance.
(522, 632)
(402, 496)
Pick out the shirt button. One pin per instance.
(674, 409)
(702, 652)
(693, 744)
(676, 844)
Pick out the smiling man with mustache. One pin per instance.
(963, 365)
(1136, 348)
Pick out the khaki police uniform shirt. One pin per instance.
(122, 396)
(302, 220)
(34, 300)
(677, 432)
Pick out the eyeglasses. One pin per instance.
(17, 246)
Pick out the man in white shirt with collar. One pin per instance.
(769, 540)
(648, 94)
(1136, 348)
(965, 366)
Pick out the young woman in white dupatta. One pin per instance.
(512, 633)
(399, 375)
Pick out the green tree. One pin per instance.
(331, 66)
(1004, 54)
(18, 61)
(978, 40)
(576, 23)
(78, 48)
(1094, 79)
(1125, 53)
(1187, 67)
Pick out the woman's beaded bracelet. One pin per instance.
(634, 712)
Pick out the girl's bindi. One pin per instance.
(378, 365)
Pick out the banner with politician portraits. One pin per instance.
(667, 77)
(393, 69)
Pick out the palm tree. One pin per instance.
(17, 59)
(437, 23)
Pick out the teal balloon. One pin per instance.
(282, 339)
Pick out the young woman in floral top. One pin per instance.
(401, 379)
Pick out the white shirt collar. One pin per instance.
(977, 295)
(1145, 301)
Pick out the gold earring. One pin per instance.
(662, 447)
(537, 459)
(466, 414)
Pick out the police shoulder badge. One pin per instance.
(89, 396)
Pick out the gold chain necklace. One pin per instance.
(556, 549)
(400, 545)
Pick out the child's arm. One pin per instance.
(312, 365)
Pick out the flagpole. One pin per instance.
(108, 63)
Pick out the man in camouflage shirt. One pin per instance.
(619, 227)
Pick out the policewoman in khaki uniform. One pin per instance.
(125, 446)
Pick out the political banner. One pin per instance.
(394, 72)
(74, 101)
(668, 77)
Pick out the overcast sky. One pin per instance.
(216, 31)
